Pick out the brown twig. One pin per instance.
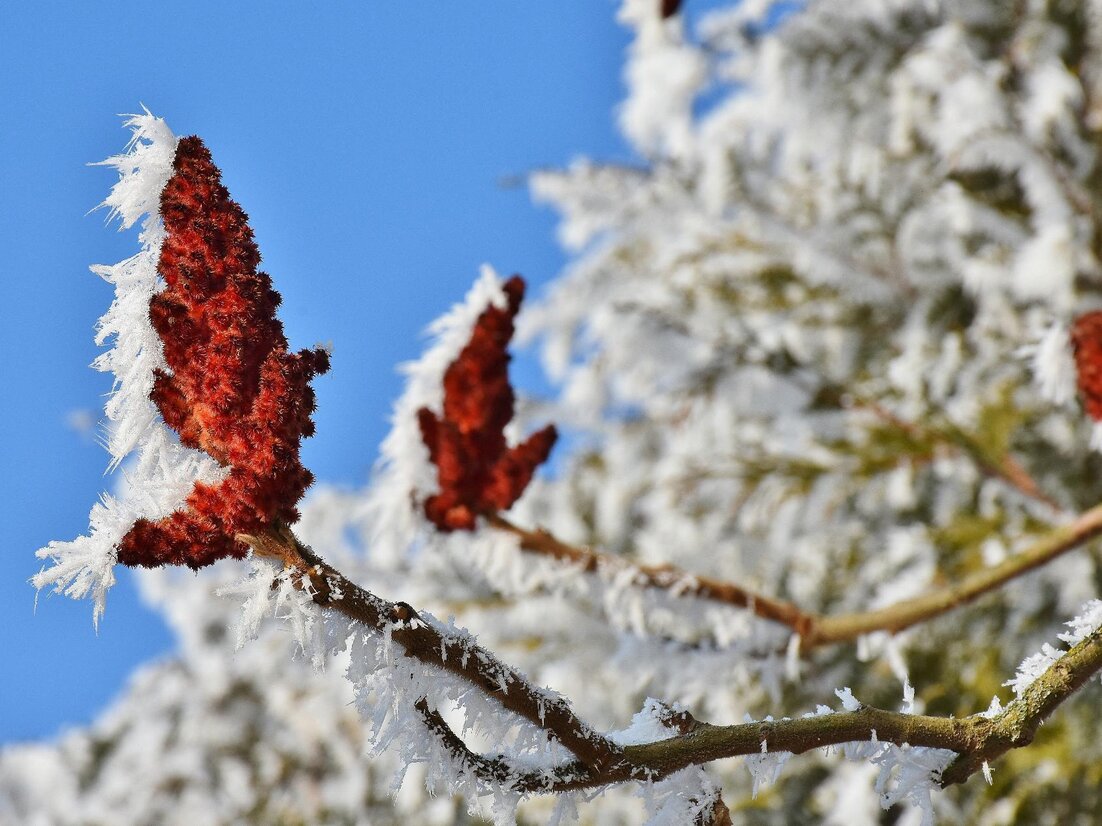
(1006, 468)
(602, 762)
(976, 739)
(817, 629)
(422, 641)
(910, 612)
(1018, 724)
(663, 577)
(717, 815)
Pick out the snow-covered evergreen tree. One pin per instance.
(816, 359)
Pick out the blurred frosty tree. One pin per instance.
(817, 348)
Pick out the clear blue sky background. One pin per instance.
(367, 140)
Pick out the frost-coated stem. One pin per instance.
(665, 577)
(977, 739)
(1018, 724)
(909, 612)
(601, 762)
(458, 656)
(815, 629)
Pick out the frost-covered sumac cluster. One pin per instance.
(229, 386)
(829, 361)
(478, 473)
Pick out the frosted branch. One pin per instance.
(456, 655)
(600, 761)
(815, 629)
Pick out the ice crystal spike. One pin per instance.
(162, 470)
(476, 469)
(231, 387)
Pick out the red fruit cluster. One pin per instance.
(232, 389)
(477, 471)
(1086, 342)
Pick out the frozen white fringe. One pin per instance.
(1088, 621)
(1054, 365)
(271, 593)
(766, 767)
(648, 725)
(906, 773)
(164, 472)
(621, 590)
(681, 798)
(387, 686)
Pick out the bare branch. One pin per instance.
(664, 577)
(940, 601)
(424, 642)
(601, 762)
(816, 629)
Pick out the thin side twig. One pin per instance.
(910, 612)
(663, 577)
(817, 629)
(1005, 468)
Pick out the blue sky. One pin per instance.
(368, 142)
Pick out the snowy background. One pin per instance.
(813, 339)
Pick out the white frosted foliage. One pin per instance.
(683, 797)
(663, 74)
(1045, 267)
(1054, 364)
(1084, 624)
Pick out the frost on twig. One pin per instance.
(906, 772)
(685, 797)
(1085, 623)
(286, 596)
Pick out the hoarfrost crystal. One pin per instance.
(164, 472)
